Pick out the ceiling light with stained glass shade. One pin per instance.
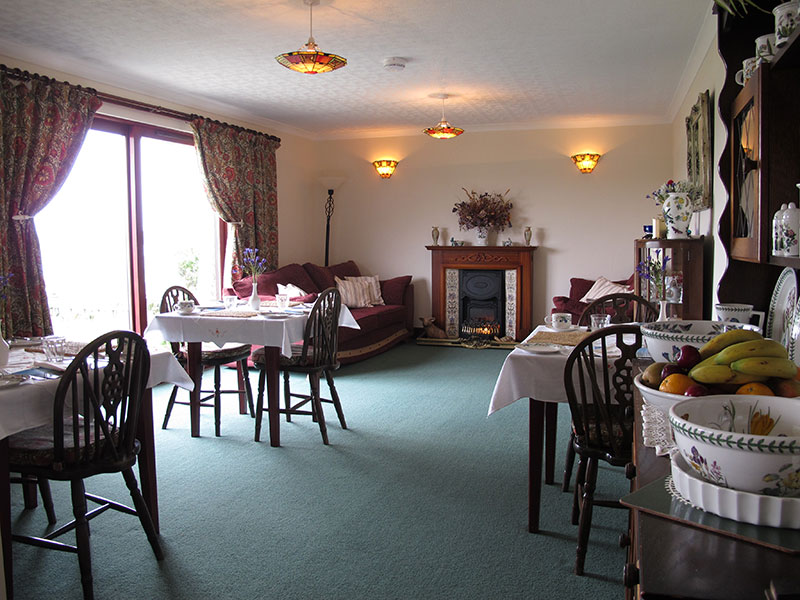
(585, 162)
(309, 58)
(442, 130)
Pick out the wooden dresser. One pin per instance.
(668, 559)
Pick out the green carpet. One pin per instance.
(423, 497)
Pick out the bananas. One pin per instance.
(768, 366)
(764, 348)
(718, 374)
(719, 342)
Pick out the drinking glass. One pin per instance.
(282, 301)
(599, 321)
(229, 301)
(54, 348)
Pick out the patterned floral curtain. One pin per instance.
(42, 126)
(242, 185)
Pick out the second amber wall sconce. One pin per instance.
(385, 167)
(585, 162)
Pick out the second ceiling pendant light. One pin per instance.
(309, 58)
(442, 130)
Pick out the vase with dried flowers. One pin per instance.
(484, 212)
(253, 265)
(653, 269)
(4, 347)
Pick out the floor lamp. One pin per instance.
(328, 214)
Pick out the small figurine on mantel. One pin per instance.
(508, 242)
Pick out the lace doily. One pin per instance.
(656, 431)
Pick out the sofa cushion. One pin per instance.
(268, 282)
(355, 292)
(578, 287)
(603, 287)
(291, 290)
(374, 287)
(394, 289)
(323, 277)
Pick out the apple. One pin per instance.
(788, 388)
(671, 368)
(696, 389)
(688, 356)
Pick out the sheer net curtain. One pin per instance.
(240, 177)
(42, 126)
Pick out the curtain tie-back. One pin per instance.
(21, 217)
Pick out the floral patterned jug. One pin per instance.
(677, 212)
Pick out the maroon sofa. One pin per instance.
(578, 288)
(381, 326)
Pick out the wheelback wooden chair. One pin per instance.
(314, 357)
(211, 356)
(95, 414)
(598, 380)
(623, 308)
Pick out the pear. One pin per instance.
(651, 376)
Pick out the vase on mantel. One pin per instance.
(677, 212)
(483, 237)
(4, 347)
(254, 301)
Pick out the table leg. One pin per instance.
(535, 443)
(195, 370)
(550, 423)
(271, 358)
(5, 522)
(147, 456)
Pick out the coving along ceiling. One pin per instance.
(507, 64)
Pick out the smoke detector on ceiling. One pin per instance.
(394, 63)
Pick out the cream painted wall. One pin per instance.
(584, 224)
(710, 76)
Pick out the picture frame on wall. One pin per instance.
(699, 148)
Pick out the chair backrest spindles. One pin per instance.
(320, 340)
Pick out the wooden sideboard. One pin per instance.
(518, 259)
(668, 559)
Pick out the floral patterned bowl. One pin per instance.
(748, 443)
(657, 398)
(664, 339)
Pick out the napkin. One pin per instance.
(52, 366)
(565, 338)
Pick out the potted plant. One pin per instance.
(484, 212)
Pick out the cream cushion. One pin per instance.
(355, 293)
(374, 285)
(603, 287)
(291, 290)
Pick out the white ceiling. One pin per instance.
(508, 64)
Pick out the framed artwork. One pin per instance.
(699, 151)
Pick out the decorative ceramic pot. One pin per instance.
(790, 223)
(4, 348)
(677, 212)
(527, 235)
(435, 235)
(483, 237)
(254, 301)
(785, 21)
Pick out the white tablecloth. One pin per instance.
(259, 330)
(528, 375)
(30, 404)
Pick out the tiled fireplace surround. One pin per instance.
(515, 261)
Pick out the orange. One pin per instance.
(677, 383)
(759, 389)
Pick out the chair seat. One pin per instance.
(295, 360)
(34, 447)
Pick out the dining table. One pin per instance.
(275, 330)
(535, 370)
(29, 404)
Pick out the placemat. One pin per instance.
(565, 338)
(242, 314)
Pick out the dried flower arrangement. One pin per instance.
(484, 211)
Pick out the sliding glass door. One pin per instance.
(131, 220)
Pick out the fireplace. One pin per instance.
(502, 295)
(482, 302)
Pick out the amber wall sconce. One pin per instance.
(585, 162)
(385, 167)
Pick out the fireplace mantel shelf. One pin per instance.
(518, 260)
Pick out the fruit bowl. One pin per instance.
(722, 438)
(653, 397)
(664, 339)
